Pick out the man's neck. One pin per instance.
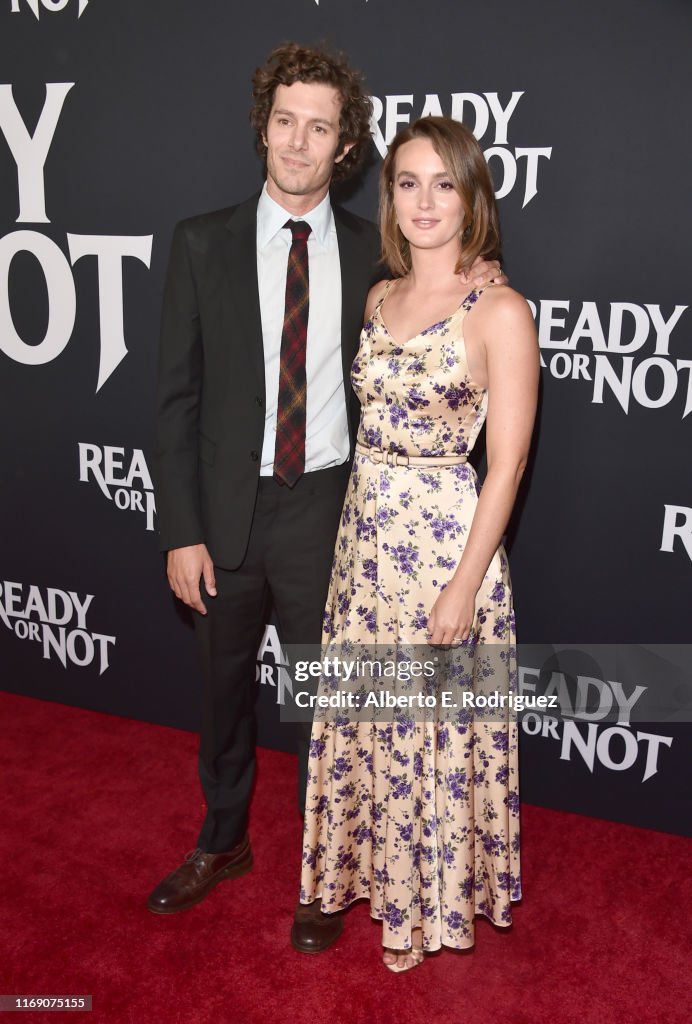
(297, 206)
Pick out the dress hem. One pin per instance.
(443, 945)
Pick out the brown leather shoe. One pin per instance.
(197, 876)
(314, 931)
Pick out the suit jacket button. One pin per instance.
(254, 455)
(259, 401)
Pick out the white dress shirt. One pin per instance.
(326, 425)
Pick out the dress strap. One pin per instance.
(471, 299)
(385, 293)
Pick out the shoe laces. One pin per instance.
(193, 855)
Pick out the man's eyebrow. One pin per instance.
(313, 120)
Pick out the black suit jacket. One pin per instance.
(210, 403)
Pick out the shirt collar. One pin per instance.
(271, 218)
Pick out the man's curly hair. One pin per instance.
(291, 63)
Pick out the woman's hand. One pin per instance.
(452, 615)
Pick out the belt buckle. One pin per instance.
(395, 459)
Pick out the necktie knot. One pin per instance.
(300, 229)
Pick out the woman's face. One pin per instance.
(429, 210)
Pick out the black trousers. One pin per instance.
(287, 564)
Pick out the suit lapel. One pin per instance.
(356, 272)
(241, 280)
(353, 274)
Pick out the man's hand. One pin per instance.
(482, 273)
(185, 567)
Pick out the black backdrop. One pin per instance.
(581, 109)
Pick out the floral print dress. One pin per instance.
(419, 814)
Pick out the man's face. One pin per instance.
(302, 137)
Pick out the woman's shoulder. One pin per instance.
(501, 314)
(375, 295)
(500, 299)
(498, 303)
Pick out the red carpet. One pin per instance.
(96, 809)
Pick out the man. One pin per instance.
(256, 424)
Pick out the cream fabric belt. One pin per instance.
(396, 459)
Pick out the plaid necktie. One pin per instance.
(289, 453)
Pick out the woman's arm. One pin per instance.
(504, 330)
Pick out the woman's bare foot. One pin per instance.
(399, 960)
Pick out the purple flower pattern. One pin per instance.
(421, 817)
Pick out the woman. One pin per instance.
(421, 816)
